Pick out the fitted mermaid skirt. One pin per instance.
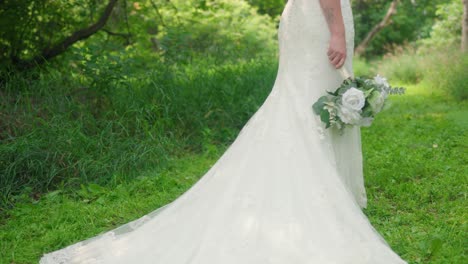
(285, 191)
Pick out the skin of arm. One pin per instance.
(337, 47)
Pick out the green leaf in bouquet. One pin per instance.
(367, 111)
(361, 82)
(341, 90)
(365, 84)
(337, 100)
(368, 92)
(325, 117)
(335, 93)
(347, 87)
(318, 106)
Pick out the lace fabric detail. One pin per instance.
(63, 256)
(69, 253)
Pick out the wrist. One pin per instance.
(338, 32)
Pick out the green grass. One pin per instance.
(416, 176)
(60, 218)
(439, 69)
(414, 154)
(60, 128)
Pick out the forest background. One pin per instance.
(102, 102)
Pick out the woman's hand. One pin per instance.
(337, 50)
(337, 46)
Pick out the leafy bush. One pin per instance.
(223, 29)
(402, 64)
(270, 7)
(436, 60)
(110, 108)
(107, 126)
(28, 27)
(177, 30)
(440, 69)
(445, 69)
(412, 21)
(446, 31)
(363, 67)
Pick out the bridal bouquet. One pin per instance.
(355, 102)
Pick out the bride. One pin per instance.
(286, 191)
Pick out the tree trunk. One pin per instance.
(377, 28)
(464, 39)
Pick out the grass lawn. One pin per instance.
(415, 169)
(416, 176)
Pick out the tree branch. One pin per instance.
(81, 34)
(117, 34)
(377, 28)
(158, 13)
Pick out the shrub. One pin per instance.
(438, 69)
(223, 29)
(66, 129)
(446, 70)
(402, 64)
(446, 31)
(363, 67)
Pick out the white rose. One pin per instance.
(377, 101)
(349, 116)
(381, 81)
(353, 99)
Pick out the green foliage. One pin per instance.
(362, 67)
(271, 7)
(177, 30)
(224, 29)
(318, 106)
(403, 65)
(435, 60)
(30, 26)
(441, 69)
(413, 21)
(447, 71)
(102, 122)
(446, 31)
(182, 77)
(111, 106)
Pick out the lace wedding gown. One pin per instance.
(286, 191)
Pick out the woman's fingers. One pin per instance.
(341, 62)
(337, 50)
(336, 58)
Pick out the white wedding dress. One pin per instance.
(286, 191)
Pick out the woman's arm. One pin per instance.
(337, 46)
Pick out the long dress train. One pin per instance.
(285, 191)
